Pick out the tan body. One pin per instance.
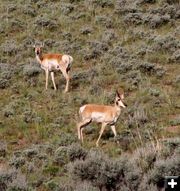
(100, 113)
(104, 114)
(54, 62)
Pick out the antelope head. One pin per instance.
(118, 100)
(38, 48)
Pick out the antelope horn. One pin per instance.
(117, 93)
(42, 44)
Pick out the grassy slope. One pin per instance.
(21, 28)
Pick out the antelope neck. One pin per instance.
(40, 56)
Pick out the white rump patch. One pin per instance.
(70, 59)
(82, 108)
(67, 59)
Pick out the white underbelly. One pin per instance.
(51, 65)
(98, 117)
(102, 117)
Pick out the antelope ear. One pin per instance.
(122, 96)
(34, 46)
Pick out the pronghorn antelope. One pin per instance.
(54, 62)
(104, 114)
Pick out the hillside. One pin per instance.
(132, 45)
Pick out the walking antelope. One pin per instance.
(104, 114)
(54, 62)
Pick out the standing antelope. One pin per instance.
(105, 114)
(54, 62)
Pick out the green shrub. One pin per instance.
(31, 70)
(51, 185)
(16, 25)
(61, 156)
(86, 30)
(10, 47)
(166, 43)
(85, 186)
(151, 68)
(3, 149)
(17, 162)
(76, 152)
(66, 139)
(171, 1)
(134, 79)
(67, 8)
(162, 168)
(8, 111)
(156, 21)
(175, 57)
(146, 1)
(104, 21)
(102, 3)
(29, 10)
(4, 83)
(175, 122)
(46, 22)
(6, 73)
(13, 180)
(134, 18)
(51, 169)
(30, 153)
(99, 170)
(29, 116)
